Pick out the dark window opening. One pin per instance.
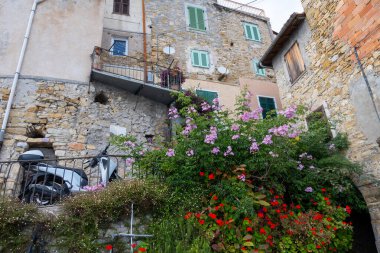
(121, 7)
(35, 131)
(101, 98)
(268, 105)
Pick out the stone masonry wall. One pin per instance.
(224, 39)
(71, 122)
(333, 75)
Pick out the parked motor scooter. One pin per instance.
(46, 184)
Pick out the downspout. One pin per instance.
(144, 38)
(17, 74)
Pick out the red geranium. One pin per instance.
(212, 216)
(211, 176)
(201, 174)
(142, 249)
(109, 247)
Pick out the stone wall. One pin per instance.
(224, 39)
(70, 121)
(333, 75)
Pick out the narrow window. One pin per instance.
(252, 32)
(268, 105)
(121, 7)
(208, 96)
(120, 47)
(294, 62)
(200, 59)
(196, 18)
(258, 70)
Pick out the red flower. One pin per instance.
(109, 247)
(323, 190)
(201, 222)
(211, 176)
(202, 174)
(188, 216)
(221, 205)
(215, 197)
(243, 248)
(298, 206)
(319, 246)
(262, 231)
(142, 249)
(326, 198)
(249, 229)
(291, 213)
(275, 203)
(276, 197)
(216, 208)
(265, 210)
(348, 209)
(134, 245)
(335, 228)
(212, 216)
(329, 219)
(260, 215)
(318, 217)
(219, 222)
(278, 211)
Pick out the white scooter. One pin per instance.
(46, 184)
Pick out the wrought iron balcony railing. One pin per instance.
(249, 9)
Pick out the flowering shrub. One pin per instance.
(264, 177)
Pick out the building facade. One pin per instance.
(329, 59)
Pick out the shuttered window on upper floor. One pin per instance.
(258, 70)
(268, 105)
(252, 32)
(121, 7)
(196, 18)
(294, 62)
(207, 95)
(200, 59)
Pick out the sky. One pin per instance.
(277, 10)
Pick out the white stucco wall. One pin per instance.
(63, 36)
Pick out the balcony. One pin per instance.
(248, 9)
(136, 76)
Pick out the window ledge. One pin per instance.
(298, 78)
(189, 29)
(116, 13)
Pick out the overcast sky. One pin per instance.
(277, 10)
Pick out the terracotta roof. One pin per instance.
(286, 32)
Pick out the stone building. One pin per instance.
(214, 43)
(317, 59)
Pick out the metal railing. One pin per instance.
(28, 180)
(113, 62)
(249, 9)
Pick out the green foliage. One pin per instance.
(87, 213)
(16, 225)
(173, 234)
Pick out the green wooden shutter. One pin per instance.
(195, 58)
(256, 33)
(248, 32)
(209, 96)
(268, 105)
(192, 17)
(258, 70)
(200, 19)
(204, 61)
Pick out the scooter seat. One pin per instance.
(78, 171)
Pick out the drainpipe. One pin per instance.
(17, 74)
(144, 38)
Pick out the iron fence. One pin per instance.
(48, 181)
(241, 7)
(107, 60)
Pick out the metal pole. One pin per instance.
(367, 82)
(18, 69)
(131, 232)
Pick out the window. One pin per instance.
(252, 32)
(258, 70)
(119, 47)
(121, 7)
(319, 119)
(268, 104)
(196, 18)
(294, 62)
(209, 96)
(200, 59)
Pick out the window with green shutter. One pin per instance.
(258, 70)
(196, 18)
(200, 59)
(268, 104)
(209, 96)
(252, 32)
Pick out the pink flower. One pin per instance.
(289, 112)
(235, 137)
(280, 131)
(215, 150)
(211, 138)
(309, 189)
(235, 127)
(229, 151)
(170, 153)
(129, 161)
(254, 147)
(268, 140)
(130, 144)
(205, 106)
(173, 113)
(190, 152)
(241, 177)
